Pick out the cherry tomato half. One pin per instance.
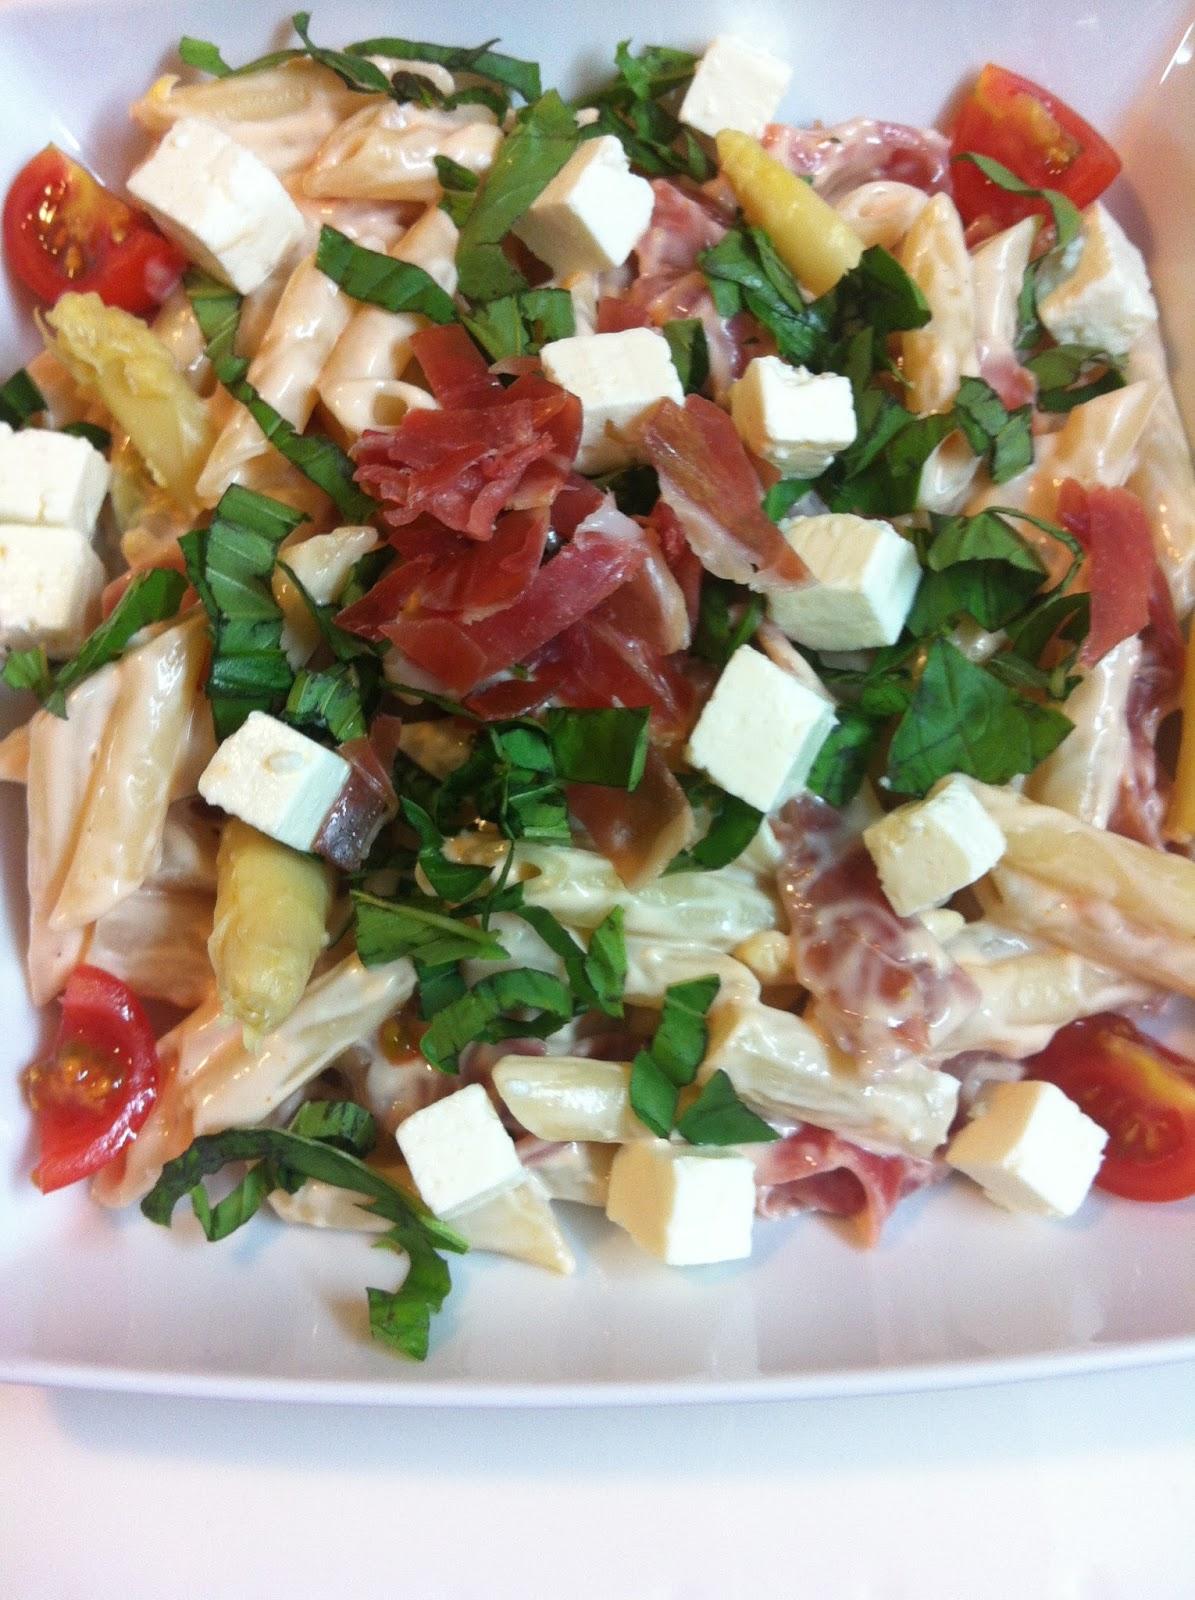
(1140, 1092)
(101, 1084)
(1034, 134)
(63, 230)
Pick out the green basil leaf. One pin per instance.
(607, 747)
(746, 261)
(521, 324)
(984, 537)
(690, 352)
(29, 669)
(656, 71)
(380, 280)
(204, 55)
(239, 1206)
(653, 1094)
(1059, 370)
(353, 71)
(842, 762)
(400, 1318)
(606, 963)
(992, 592)
(1056, 616)
(20, 399)
(98, 438)
(727, 618)
(439, 986)
(635, 489)
(732, 826)
(879, 476)
(481, 1013)
(521, 76)
(783, 496)
(343, 1123)
(459, 186)
(327, 702)
(719, 1117)
(453, 881)
(876, 294)
(680, 1039)
(389, 929)
(1067, 221)
(528, 159)
(963, 719)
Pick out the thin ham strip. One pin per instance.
(842, 157)
(640, 830)
(814, 1169)
(708, 480)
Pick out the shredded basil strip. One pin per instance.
(1067, 219)
(731, 827)
(153, 596)
(1059, 370)
(98, 438)
(454, 881)
(20, 399)
(512, 73)
(387, 930)
(727, 618)
(597, 974)
(521, 324)
(482, 1013)
(635, 106)
(841, 764)
(670, 1062)
(690, 352)
(381, 280)
(459, 186)
(719, 1117)
(607, 747)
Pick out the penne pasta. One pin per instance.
(1163, 477)
(388, 151)
(1083, 775)
(934, 359)
(156, 940)
(998, 270)
(882, 212)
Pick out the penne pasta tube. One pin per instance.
(570, 1171)
(561, 1098)
(882, 212)
(518, 1222)
(1164, 478)
(935, 358)
(14, 755)
(156, 940)
(1083, 775)
(998, 270)
(388, 151)
(1180, 813)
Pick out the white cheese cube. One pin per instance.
(458, 1151)
(276, 779)
(760, 731)
(1105, 298)
(592, 214)
(864, 579)
(930, 849)
(219, 202)
(687, 1207)
(55, 480)
(50, 584)
(795, 419)
(616, 377)
(735, 86)
(1030, 1148)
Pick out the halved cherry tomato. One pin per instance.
(1140, 1092)
(1034, 134)
(63, 230)
(100, 1086)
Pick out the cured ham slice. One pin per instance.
(813, 1169)
(1113, 529)
(840, 158)
(638, 830)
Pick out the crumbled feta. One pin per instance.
(1104, 299)
(50, 583)
(795, 419)
(760, 731)
(735, 86)
(865, 576)
(219, 202)
(592, 214)
(930, 849)
(458, 1151)
(55, 480)
(276, 779)
(685, 1206)
(1030, 1148)
(616, 377)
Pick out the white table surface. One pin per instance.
(1070, 1489)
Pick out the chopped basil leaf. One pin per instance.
(963, 719)
(482, 1013)
(1003, 438)
(1059, 370)
(1065, 213)
(656, 71)
(783, 496)
(732, 826)
(878, 295)
(680, 1040)
(632, 109)
(380, 280)
(459, 186)
(653, 1094)
(690, 352)
(607, 747)
(327, 702)
(719, 1117)
(480, 60)
(744, 272)
(727, 618)
(842, 762)
(635, 489)
(453, 881)
(439, 986)
(984, 537)
(204, 55)
(153, 596)
(881, 472)
(352, 70)
(992, 592)
(401, 1318)
(521, 324)
(596, 975)
(542, 140)
(20, 399)
(98, 438)
(343, 1123)
(1056, 616)
(390, 929)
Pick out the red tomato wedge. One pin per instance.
(64, 231)
(1034, 134)
(1140, 1092)
(90, 1099)
(1113, 528)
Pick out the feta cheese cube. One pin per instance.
(735, 86)
(1104, 299)
(55, 480)
(616, 377)
(687, 1207)
(930, 849)
(219, 202)
(276, 779)
(50, 583)
(792, 418)
(458, 1151)
(592, 214)
(760, 731)
(1030, 1148)
(864, 579)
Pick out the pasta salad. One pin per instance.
(617, 652)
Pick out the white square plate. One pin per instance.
(957, 1292)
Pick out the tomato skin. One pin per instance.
(1034, 134)
(1141, 1093)
(64, 231)
(101, 1085)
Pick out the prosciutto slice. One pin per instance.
(882, 985)
(814, 1169)
(840, 158)
(639, 831)
(708, 480)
